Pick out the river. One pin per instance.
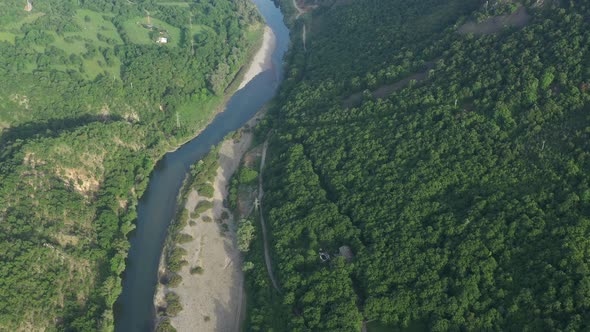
(134, 310)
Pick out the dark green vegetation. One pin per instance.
(465, 197)
(88, 102)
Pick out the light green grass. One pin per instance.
(140, 35)
(96, 25)
(198, 111)
(172, 3)
(199, 28)
(7, 36)
(88, 33)
(76, 46)
(16, 25)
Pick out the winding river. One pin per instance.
(134, 310)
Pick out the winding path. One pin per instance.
(300, 11)
(267, 258)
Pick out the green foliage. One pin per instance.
(165, 326)
(183, 238)
(460, 195)
(203, 206)
(175, 260)
(84, 113)
(247, 175)
(247, 266)
(197, 270)
(173, 280)
(245, 234)
(173, 306)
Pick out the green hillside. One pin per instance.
(87, 104)
(446, 143)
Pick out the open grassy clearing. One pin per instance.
(7, 36)
(174, 3)
(94, 30)
(26, 18)
(139, 34)
(92, 23)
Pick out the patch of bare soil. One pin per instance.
(492, 25)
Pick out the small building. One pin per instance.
(162, 40)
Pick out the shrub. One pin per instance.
(173, 304)
(203, 206)
(247, 266)
(165, 326)
(183, 238)
(245, 235)
(197, 270)
(247, 175)
(206, 189)
(174, 280)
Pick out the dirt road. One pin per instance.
(267, 258)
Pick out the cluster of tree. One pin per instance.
(76, 151)
(464, 197)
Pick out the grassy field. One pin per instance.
(91, 24)
(7, 36)
(140, 35)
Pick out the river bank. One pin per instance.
(213, 299)
(262, 59)
(258, 60)
(159, 203)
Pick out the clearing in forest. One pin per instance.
(139, 32)
(518, 19)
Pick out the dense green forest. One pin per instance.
(92, 92)
(463, 194)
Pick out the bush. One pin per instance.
(175, 259)
(206, 189)
(165, 326)
(173, 304)
(203, 206)
(174, 280)
(183, 238)
(245, 235)
(247, 266)
(207, 219)
(197, 270)
(224, 215)
(247, 175)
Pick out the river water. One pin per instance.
(134, 310)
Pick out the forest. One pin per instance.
(464, 195)
(90, 97)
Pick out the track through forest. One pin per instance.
(267, 258)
